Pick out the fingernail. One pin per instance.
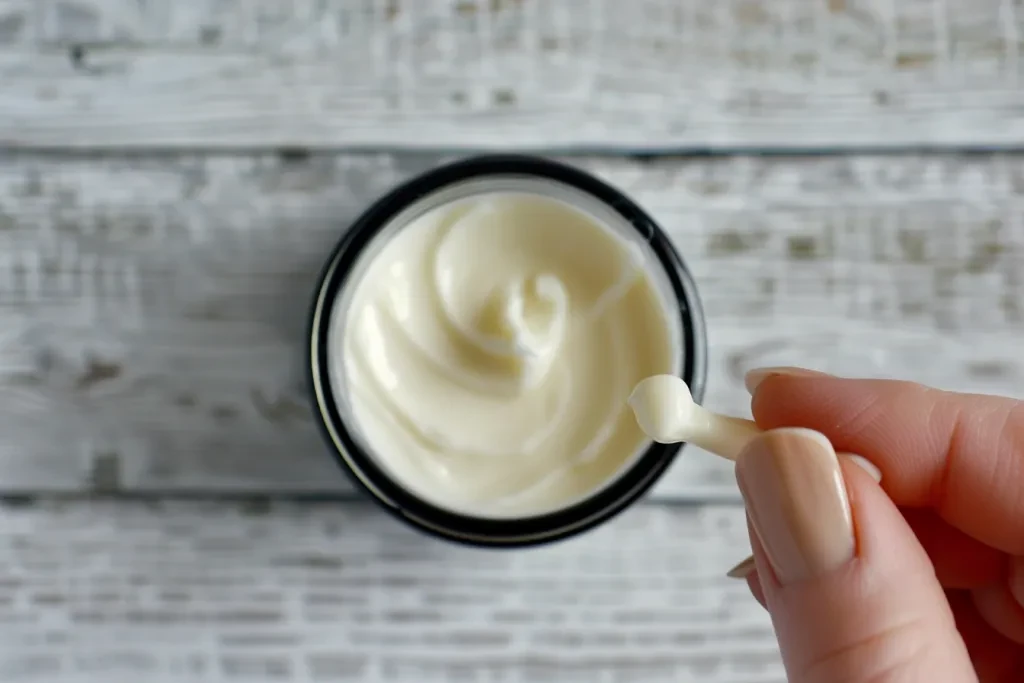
(743, 569)
(753, 378)
(865, 465)
(796, 498)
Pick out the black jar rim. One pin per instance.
(361, 467)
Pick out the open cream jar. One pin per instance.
(473, 341)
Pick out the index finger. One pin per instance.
(960, 454)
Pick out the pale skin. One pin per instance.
(934, 590)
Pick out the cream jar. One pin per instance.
(473, 341)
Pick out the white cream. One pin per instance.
(489, 347)
(665, 410)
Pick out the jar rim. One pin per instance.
(363, 469)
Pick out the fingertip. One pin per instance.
(869, 467)
(995, 657)
(746, 571)
(753, 379)
(960, 561)
(754, 584)
(743, 569)
(780, 399)
(1016, 579)
(883, 538)
(885, 421)
(997, 605)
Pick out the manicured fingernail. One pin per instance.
(865, 465)
(796, 498)
(758, 375)
(743, 569)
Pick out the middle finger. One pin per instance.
(960, 561)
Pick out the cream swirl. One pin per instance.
(489, 349)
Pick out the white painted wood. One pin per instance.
(152, 308)
(217, 592)
(644, 74)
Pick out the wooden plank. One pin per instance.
(204, 592)
(649, 74)
(152, 308)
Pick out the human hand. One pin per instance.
(923, 584)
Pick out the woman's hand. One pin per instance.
(923, 581)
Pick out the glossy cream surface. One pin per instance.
(490, 346)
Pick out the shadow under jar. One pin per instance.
(455, 385)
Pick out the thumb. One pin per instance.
(852, 594)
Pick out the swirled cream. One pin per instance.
(489, 349)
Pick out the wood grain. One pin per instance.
(218, 592)
(152, 308)
(650, 74)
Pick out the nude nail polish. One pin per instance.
(866, 465)
(743, 569)
(796, 498)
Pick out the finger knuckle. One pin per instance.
(880, 655)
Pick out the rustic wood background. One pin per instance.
(222, 592)
(172, 173)
(157, 304)
(651, 74)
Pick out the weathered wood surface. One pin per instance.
(481, 73)
(216, 592)
(152, 308)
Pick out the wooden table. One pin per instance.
(843, 177)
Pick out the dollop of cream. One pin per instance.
(489, 349)
(663, 407)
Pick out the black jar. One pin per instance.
(456, 181)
